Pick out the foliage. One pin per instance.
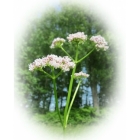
(33, 88)
(78, 117)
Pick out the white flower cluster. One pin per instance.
(81, 75)
(57, 41)
(100, 42)
(52, 60)
(79, 36)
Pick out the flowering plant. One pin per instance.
(65, 64)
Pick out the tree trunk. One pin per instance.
(49, 102)
(93, 84)
(95, 97)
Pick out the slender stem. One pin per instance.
(85, 56)
(46, 73)
(56, 98)
(58, 74)
(69, 91)
(73, 100)
(66, 52)
(69, 95)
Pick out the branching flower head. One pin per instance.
(57, 42)
(78, 37)
(63, 63)
(100, 42)
(81, 75)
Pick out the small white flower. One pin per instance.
(57, 41)
(79, 36)
(31, 67)
(44, 61)
(100, 42)
(38, 62)
(81, 75)
(52, 46)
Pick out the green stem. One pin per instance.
(46, 73)
(85, 56)
(66, 53)
(58, 74)
(72, 100)
(69, 92)
(56, 98)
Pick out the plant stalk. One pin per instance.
(56, 98)
(69, 91)
(72, 100)
(85, 56)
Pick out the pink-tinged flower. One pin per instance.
(36, 64)
(56, 42)
(66, 63)
(31, 67)
(81, 75)
(100, 42)
(79, 36)
(52, 60)
(45, 61)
